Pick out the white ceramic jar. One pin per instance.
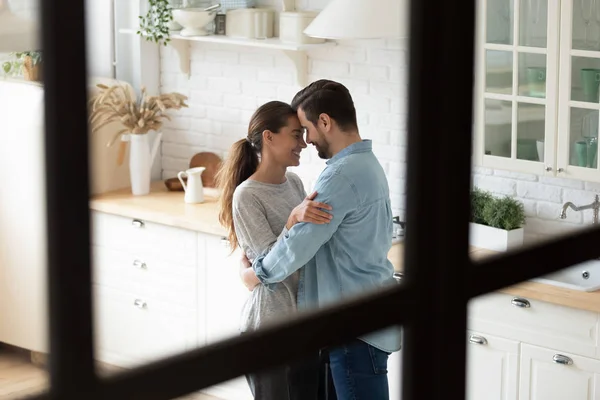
(292, 25)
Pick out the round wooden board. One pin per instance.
(211, 162)
(174, 184)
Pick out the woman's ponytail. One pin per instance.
(241, 163)
(243, 158)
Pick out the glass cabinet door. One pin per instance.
(518, 60)
(579, 90)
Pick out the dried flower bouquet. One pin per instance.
(117, 103)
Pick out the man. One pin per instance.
(348, 256)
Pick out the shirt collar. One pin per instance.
(358, 147)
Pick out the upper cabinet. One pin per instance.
(578, 102)
(536, 101)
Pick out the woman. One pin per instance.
(259, 202)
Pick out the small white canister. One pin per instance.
(292, 25)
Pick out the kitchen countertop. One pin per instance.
(168, 208)
(163, 207)
(531, 290)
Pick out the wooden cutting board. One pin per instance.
(211, 162)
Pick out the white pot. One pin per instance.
(486, 237)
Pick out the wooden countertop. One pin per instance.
(531, 290)
(168, 208)
(163, 207)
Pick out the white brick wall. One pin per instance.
(229, 82)
(543, 198)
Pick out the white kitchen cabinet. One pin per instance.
(133, 330)
(145, 290)
(578, 101)
(23, 258)
(225, 296)
(160, 291)
(550, 375)
(517, 53)
(536, 322)
(139, 237)
(145, 276)
(536, 97)
(492, 367)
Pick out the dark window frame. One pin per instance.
(439, 276)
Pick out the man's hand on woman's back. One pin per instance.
(247, 274)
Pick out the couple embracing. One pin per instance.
(305, 251)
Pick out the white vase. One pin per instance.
(486, 237)
(540, 150)
(141, 158)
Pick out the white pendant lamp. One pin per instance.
(16, 33)
(361, 19)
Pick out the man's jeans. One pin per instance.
(359, 371)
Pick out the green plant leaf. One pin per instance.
(504, 213)
(154, 24)
(479, 198)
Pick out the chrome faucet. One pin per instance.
(592, 206)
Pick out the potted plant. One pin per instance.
(27, 63)
(155, 25)
(496, 223)
(138, 117)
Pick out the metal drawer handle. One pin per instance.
(139, 264)
(225, 242)
(560, 359)
(519, 302)
(137, 223)
(141, 304)
(476, 339)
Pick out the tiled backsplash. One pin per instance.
(543, 198)
(228, 83)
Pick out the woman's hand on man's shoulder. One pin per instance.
(310, 211)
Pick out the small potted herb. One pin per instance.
(154, 26)
(27, 63)
(496, 223)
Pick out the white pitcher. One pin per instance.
(194, 191)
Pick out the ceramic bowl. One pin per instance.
(193, 20)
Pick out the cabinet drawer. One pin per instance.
(547, 374)
(535, 322)
(492, 367)
(131, 330)
(144, 238)
(151, 278)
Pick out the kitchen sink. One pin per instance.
(584, 277)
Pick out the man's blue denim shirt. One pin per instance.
(348, 256)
